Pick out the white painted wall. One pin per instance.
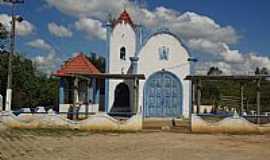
(149, 63)
(123, 35)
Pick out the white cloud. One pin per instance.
(187, 25)
(92, 27)
(22, 28)
(216, 49)
(203, 67)
(97, 9)
(59, 30)
(40, 44)
(46, 63)
(200, 32)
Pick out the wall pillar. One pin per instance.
(134, 64)
(107, 84)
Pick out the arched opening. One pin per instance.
(121, 99)
(123, 53)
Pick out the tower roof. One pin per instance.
(79, 64)
(124, 17)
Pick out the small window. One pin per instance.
(123, 53)
(163, 53)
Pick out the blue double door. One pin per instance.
(163, 95)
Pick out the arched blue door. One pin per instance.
(162, 95)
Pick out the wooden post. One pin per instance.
(247, 105)
(136, 94)
(75, 96)
(199, 93)
(258, 101)
(192, 98)
(87, 98)
(242, 98)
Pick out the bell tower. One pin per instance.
(121, 45)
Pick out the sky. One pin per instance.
(233, 35)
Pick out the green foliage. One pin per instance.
(97, 62)
(3, 38)
(29, 88)
(213, 91)
(214, 71)
(263, 71)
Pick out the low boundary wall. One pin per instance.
(99, 122)
(234, 125)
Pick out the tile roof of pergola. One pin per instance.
(80, 66)
(77, 65)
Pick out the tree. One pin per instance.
(214, 71)
(3, 37)
(257, 71)
(29, 89)
(262, 71)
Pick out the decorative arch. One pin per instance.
(163, 95)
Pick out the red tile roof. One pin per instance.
(124, 17)
(79, 64)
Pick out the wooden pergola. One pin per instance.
(197, 85)
(80, 68)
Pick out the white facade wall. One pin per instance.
(150, 63)
(123, 35)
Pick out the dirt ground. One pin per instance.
(75, 145)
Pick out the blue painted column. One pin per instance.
(97, 93)
(61, 91)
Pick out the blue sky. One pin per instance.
(249, 17)
(245, 22)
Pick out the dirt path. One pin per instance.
(68, 145)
